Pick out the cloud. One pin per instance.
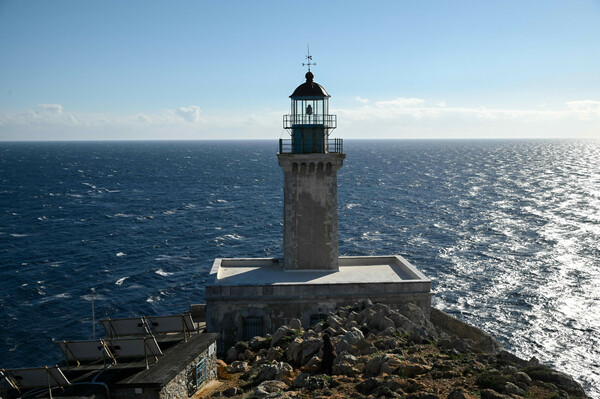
(384, 118)
(190, 114)
(51, 108)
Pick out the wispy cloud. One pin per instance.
(389, 118)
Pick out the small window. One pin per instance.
(253, 326)
(200, 372)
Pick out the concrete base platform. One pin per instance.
(246, 297)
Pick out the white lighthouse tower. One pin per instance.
(248, 297)
(310, 161)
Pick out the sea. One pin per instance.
(507, 230)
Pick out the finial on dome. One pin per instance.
(309, 76)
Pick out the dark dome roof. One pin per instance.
(309, 88)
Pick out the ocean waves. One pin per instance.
(508, 231)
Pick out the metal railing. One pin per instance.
(327, 121)
(332, 146)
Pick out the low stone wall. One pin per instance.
(452, 326)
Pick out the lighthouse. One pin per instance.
(310, 161)
(246, 297)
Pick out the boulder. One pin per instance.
(274, 353)
(390, 366)
(491, 394)
(412, 370)
(512, 389)
(460, 393)
(373, 366)
(238, 367)
(334, 321)
(295, 324)
(277, 371)
(343, 364)
(233, 391)
(301, 381)
(561, 380)
(267, 388)
(367, 386)
(313, 365)
(257, 343)
(281, 332)
(365, 347)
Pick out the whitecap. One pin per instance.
(233, 236)
(119, 254)
(222, 201)
(163, 273)
(64, 295)
(169, 212)
(17, 235)
(120, 281)
(122, 215)
(350, 206)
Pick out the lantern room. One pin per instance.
(309, 122)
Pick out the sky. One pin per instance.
(165, 70)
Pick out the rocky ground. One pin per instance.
(383, 352)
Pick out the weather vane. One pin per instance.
(309, 60)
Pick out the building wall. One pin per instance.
(310, 210)
(226, 315)
(183, 385)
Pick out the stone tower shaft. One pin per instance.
(310, 237)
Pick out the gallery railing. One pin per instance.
(332, 146)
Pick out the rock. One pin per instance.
(267, 388)
(343, 364)
(512, 389)
(387, 332)
(274, 354)
(366, 303)
(301, 381)
(373, 366)
(281, 332)
(314, 365)
(309, 348)
(231, 355)
(402, 322)
(334, 321)
(423, 395)
(412, 370)
(491, 394)
(367, 386)
(349, 341)
(459, 393)
(488, 344)
(561, 380)
(453, 342)
(390, 365)
(523, 378)
(277, 371)
(294, 350)
(229, 392)
(295, 324)
(257, 343)
(238, 367)
(365, 347)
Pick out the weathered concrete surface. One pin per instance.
(242, 288)
(310, 237)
